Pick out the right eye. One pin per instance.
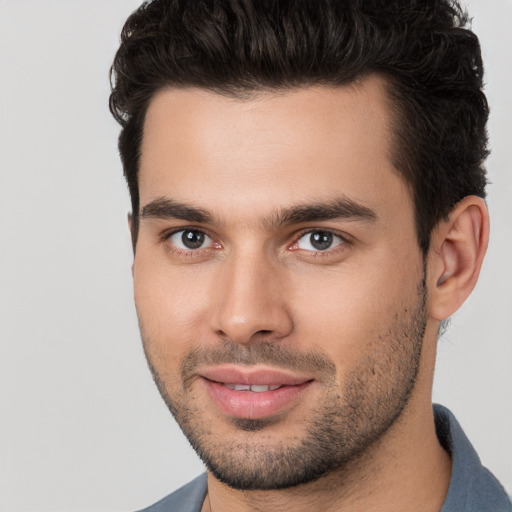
(190, 239)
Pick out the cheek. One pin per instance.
(171, 306)
(343, 312)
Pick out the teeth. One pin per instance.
(239, 387)
(260, 389)
(247, 387)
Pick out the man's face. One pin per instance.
(278, 281)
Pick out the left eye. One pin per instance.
(190, 239)
(319, 241)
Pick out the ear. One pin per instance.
(131, 227)
(457, 250)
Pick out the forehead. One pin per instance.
(274, 149)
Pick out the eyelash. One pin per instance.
(190, 253)
(344, 242)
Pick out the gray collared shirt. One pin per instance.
(473, 488)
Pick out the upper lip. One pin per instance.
(252, 375)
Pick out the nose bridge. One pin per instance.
(250, 300)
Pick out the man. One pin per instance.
(308, 189)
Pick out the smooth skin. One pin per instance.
(252, 278)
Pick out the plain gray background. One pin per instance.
(82, 427)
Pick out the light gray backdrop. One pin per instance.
(81, 425)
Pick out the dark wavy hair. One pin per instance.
(430, 59)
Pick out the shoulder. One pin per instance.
(188, 498)
(473, 488)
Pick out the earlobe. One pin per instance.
(130, 228)
(457, 251)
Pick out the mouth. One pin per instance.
(253, 393)
(255, 388)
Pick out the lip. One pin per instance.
(248, 404)
(252, 375)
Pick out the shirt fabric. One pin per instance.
(472, 488)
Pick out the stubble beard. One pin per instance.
(343, 426)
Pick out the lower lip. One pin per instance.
(253, 405)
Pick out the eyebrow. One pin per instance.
(165, 209)
(340, 208)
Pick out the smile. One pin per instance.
(253, 392)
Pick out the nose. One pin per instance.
(251, 301)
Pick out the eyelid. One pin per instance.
(345, 240)
(168, 233)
